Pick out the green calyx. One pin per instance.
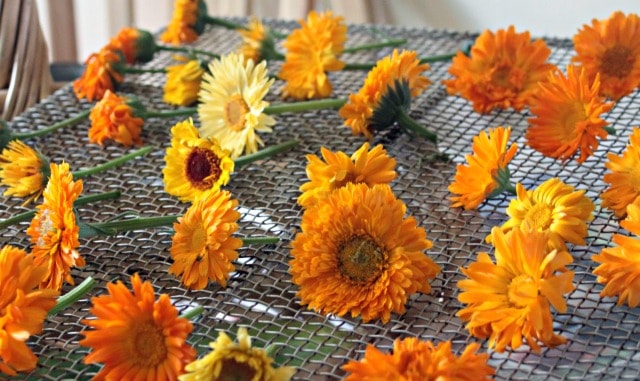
(503, 179)
(45, 167)
(138, 108)
(201, 20)
(5, 135)
(146, 46)
(396, 100)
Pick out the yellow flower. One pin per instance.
(357, 253)
(23, 171)
(416, 360)
(624, 179)
(611, 49)
(619, 268)
(183, 83)
(312, 51)
(231, 103)
(113, 119)
(555, 207)
(194, 166)
(236, 361)
(511, 299)
(567, 116)
(53, 230)
(136, 336)
(359, 113)
(257, 44)
(502, 70)
(23, 308)
(203, 247)
(184, 26)
(485, 169)
(364, 166)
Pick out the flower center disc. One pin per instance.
(522, 291)
(149, 348)
(233, 370)
(361, 259)
(235, 111)
(538, 217)
(202, 168)
(617, 62)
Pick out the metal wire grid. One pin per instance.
(602, 339)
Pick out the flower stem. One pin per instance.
(53, 127)
(375, 45)
(167, 114)
(112, 163)
(267, 152)
(187, 50)
(222, 22)
(259, 240)
(114, 227)
(73, 296)
(24, 216)
(318, 104)
(369, 65)
(138, 70)
(193, 313)
(405, 121)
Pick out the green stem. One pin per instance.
(193, 313)
(369, 65)
(115, 227)
(375, 45)
(610, 130)
(187, 50)
(407, 122)
(111, 164)
(137, 70)
(167, 114)
(25, 216)
(53, 127)
(222, 22)
(442, 57)
(259, 240)
(73, 296)
(267, 152)
(318, 104)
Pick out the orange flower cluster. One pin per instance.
(113, 119)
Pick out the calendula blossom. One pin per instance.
(113, 118)
(183, 83)
(623, 178)
(257, 43)
(23, 170)
(135, 44)
(100, 74)
(185, 24)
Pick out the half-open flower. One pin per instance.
(136, 45)
(113, 118)
(23, 170)
(624, 178)
(183, 83)
(100, 74)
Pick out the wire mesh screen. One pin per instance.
(603, 340)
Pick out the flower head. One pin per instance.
(416, 360)
(611, 49)
(502, 70)
(364, 166)
(135, 44)
(486, 170)
(112, 118)
(231, 103)
(23, 170)
(23, 308)
(511, 299)
(53, 230)
(195, 166)
(619, 268)
(567, 116)
(186, 22)
(624, 179)
(136, 336)
(236, 361)
(357, 253)
(312, 51)
(203, 247)
(257, 42)
(100, 74)
(555, 207)
(402, 68)
(183, 83)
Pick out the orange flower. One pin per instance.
(624, 179)
(134, 44)
(112, 118)
(416, 360)
(184, 26)
(402, 67)
(53, 230)
(23, 171)
(255, 41)
(183, 83)
(357, 253)
(486, 172)
(136, 336)
(502, 70)
(312, 51)
(611, 48)
(510, 299)
(23, 308)
(364, 166)
(99, 75)
(203, 246)
(567, 116)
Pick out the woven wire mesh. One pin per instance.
(602, 338)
